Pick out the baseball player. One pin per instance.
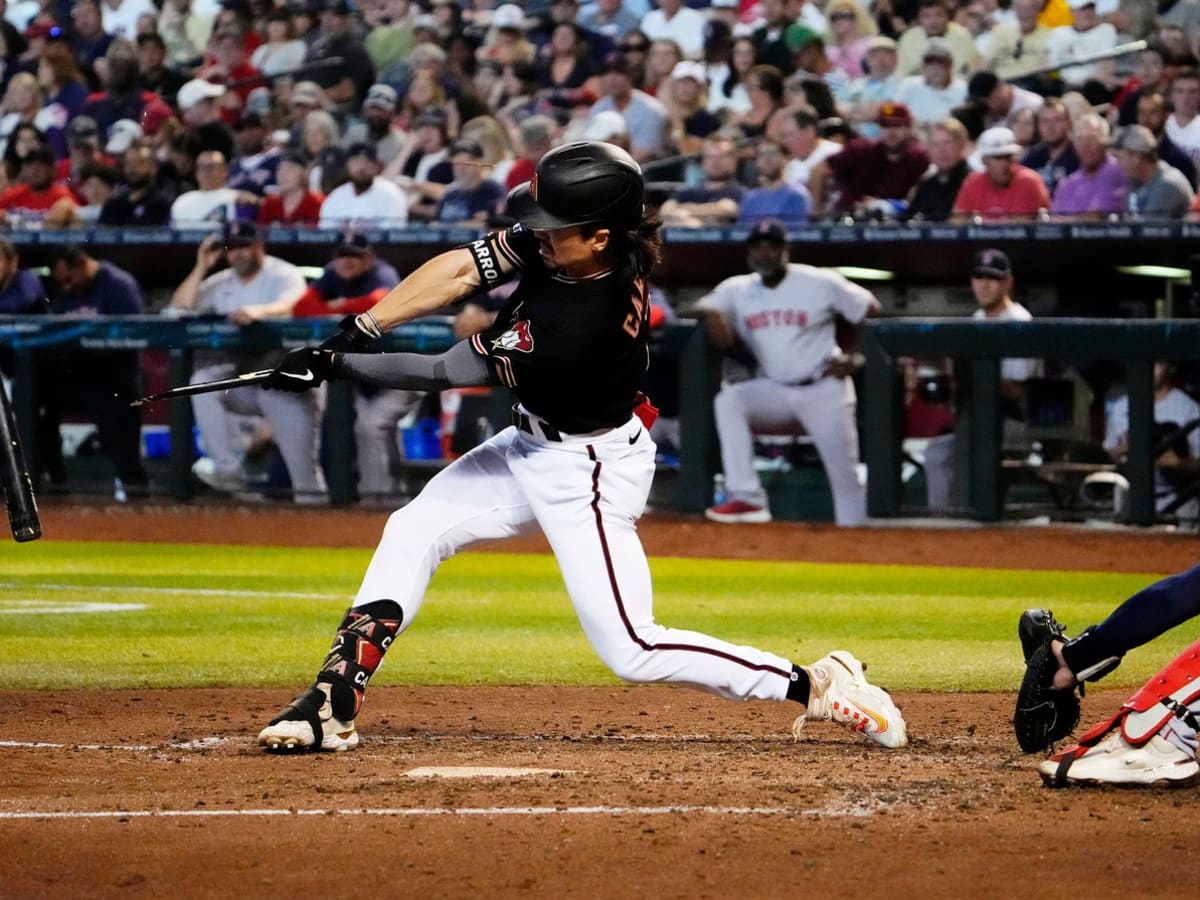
(785, 315)
(571, 343)
(1152, 739)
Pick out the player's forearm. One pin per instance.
(459, 366)
(437, 283)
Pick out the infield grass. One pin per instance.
(125, 615)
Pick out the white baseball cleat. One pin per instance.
(309, 724)
(1116, 761)
(839, 690)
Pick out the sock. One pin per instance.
(799, 686)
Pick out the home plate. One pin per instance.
(478, 772)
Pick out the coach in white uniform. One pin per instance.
(251, 278)
(785, 314)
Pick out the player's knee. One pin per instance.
(629, 662)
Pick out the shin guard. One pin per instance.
(363, 637)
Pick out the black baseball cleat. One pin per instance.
(1037, 627)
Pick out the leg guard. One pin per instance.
(363, 637)
(1167, 694)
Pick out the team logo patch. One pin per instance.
(516, 338)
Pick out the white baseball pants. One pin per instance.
(586, 493)
(826, 410)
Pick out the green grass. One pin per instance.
(247, 616)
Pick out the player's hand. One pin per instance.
(301, 370)
(354, 334)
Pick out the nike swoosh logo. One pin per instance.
(881, 724)
(307, 375)
(633, 440)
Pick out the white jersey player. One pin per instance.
(786, 316)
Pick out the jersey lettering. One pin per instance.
(485, 261)
(639, 315)
(787, 317)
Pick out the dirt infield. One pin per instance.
(654, 792)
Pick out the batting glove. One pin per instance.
(301, 370)
(354, 334)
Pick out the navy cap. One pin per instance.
(768, 230)
(991, 263)
(353, 243)
(240, 234)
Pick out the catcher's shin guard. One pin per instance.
(363, 637)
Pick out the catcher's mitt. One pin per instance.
(1043, 715)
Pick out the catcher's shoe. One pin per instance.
(309, 724)
(839, 690)
(1116, 761)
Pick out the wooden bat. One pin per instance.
(15, 480)
(206, 387)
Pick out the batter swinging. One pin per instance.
(572, 345)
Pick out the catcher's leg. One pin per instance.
(1151, 740)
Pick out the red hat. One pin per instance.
(154, 114)
(896, 114)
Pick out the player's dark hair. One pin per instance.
(642, 244)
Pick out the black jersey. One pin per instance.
(573, 350)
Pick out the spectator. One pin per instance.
(933, 21)
(1085, 37)
(1156, 190)
(799, 132)
(497, 150)
(727, 96)
(811, 67)
(472, 197)
(378, 123)
(21, 291)
(1023, 123)
(349, 81)
(933, 197)
(89, 38)
(850, 31)
(769, 40)
(100, 384)
(292, 203)
(645, 116)
(877, 85)
(121, 98)
(609, 18)
(716, 201)
(931, 95)
(353, 282)
(211, 204)
(319, 140)
(120, 17)
(22, 105)
(38, 200)
(1149, 74)
(1173, 410)
(230, 68)
(294, 418)
(64, 88)
(785, 314)
(201, 121)
(504, 40)
(1053, 157)
(661, 61)
(1097, 189)
(1005, 190)
(253, 170)
(1000, 99)
(672, 20)
(691, 121)
(1183, 125)
(154, 75)
(867, 171)
(610, 127)
(1152, 114)
(366, 200)
(1026, 49)
(774, 198)
(305, 98)
(185, 28)
(424, 170)
(282, 51)
(764, 91)
(98, 186)
(536, 135)
(138, 201)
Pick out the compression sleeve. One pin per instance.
(459, 366)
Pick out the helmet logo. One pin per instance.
(533, 188)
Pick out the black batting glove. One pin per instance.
(354, 334)
(301, 370)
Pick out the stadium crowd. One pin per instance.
(397, 113)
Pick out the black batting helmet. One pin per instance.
(590, 182)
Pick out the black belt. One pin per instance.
(544, 429)
(808, 381)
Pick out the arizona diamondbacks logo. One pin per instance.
(516, 338)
